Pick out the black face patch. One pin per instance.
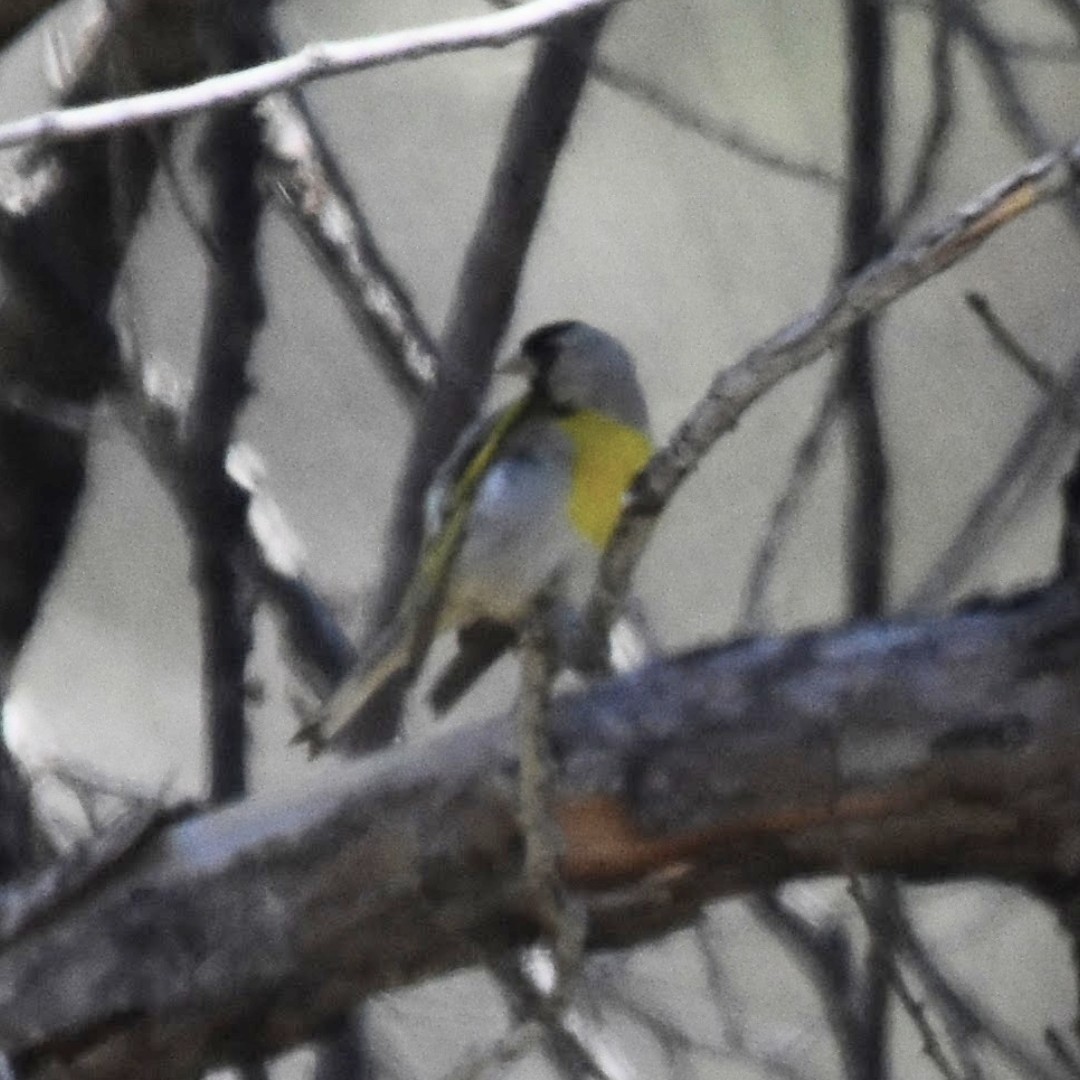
(543, 346)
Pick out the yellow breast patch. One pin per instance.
(607, 457)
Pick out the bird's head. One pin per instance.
(575, 366)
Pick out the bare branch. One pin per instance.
(1005, 89)
(1043, 377)
(1022, 473)
(310, 188)
(246, 929)
(731, 137)
(736, 388)
(24, 902)
(962, 1010)
(234, 312)
(938, 125)
(315, 61)
(687, 115)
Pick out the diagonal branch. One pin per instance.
(234, 312)
(802, 341)
(315, 61)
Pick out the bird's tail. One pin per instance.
(391, 653)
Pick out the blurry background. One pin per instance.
(690, 252)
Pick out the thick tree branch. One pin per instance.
(938, 748)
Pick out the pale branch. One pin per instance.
(308, 185)
(796, 345)
(317, 60)
(936, 748)
(1006, 90)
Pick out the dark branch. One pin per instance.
(938, 125)
(233, 35)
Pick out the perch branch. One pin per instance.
(938, 748)
(315, 61)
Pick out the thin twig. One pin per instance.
(966, 1014)
(807, 458)
(687, 115)
(792, 348)
(1063, 1052)
(517, 1042)
(938, 126)
(1005, 89)
(731, 137)
(912, 1006)
(674, 1039)
(318, 60)
(1040, 374)
(1021, 475)
(564, 1032)
(26, 902)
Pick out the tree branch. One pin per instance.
(938, 748)
(309, 187)
(234, 312)
(315, 61)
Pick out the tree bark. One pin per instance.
(937, 748)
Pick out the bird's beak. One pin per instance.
(518, 364)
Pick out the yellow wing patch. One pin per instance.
(607, 457)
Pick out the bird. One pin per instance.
(523, 507)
